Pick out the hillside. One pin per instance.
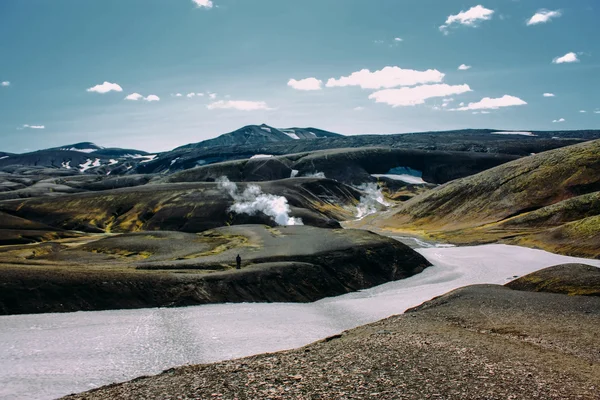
(549, 200)
(161, 269)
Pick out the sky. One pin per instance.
(156, 74)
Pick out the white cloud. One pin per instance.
(464, 67)
(242, 105)
(549, 95)
(134, 97)
(200, 94)
(543, 16)
(190, 95)
(558, 120)
(212, 96)
(387, 77)
(137, 96)
(359, 108)
(398, 39)
(178, 95)
(582, 111)
(5, 83)
(470, 17)
(105, 88)
(488, 103)
(461, 104)
(446, 102)
(203, 3)
(480, 112)
(567, 58)
(597, 112)
(305, 84)
(34, 126)
(416, 95)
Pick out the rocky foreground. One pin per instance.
(478, 342)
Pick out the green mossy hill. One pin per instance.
(550, 200)
(571, 279)
(15, 230)
(162, 269)
(186, 207)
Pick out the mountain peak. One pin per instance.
(259, 134)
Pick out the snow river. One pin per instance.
(45, 356)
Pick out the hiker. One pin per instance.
(238, 262)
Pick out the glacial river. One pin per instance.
(45, 356)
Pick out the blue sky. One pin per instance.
(238, 58)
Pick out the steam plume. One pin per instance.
(371, 201)
(252, 201)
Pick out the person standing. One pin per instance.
(238, 262)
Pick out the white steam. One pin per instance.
(316, 175)
(371, 201)
(252, 201)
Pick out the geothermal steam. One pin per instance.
(371, 201)
(252, 201)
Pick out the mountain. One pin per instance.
(258, 134)
(549, 200)
(251, 140)
(73, 158)
(516, 143)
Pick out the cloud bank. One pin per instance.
(105, 88)
(543, 16)
(471, 17)
(203, 3)
(242, 105)
(305, 84)
(567, 58)
(388, 77)
(137, 96)
(413, 96)
(488, 103)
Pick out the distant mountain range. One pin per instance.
(89, 158)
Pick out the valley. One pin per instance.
(335, 231)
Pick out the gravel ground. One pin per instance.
(479, 342)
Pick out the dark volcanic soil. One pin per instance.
(152, 269)
(478, 342)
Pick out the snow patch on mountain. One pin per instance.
(414, 180)
(514, 133)
(79, 150)
(261, 156)
(85, 166)
(291, 133)
(147, 158)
